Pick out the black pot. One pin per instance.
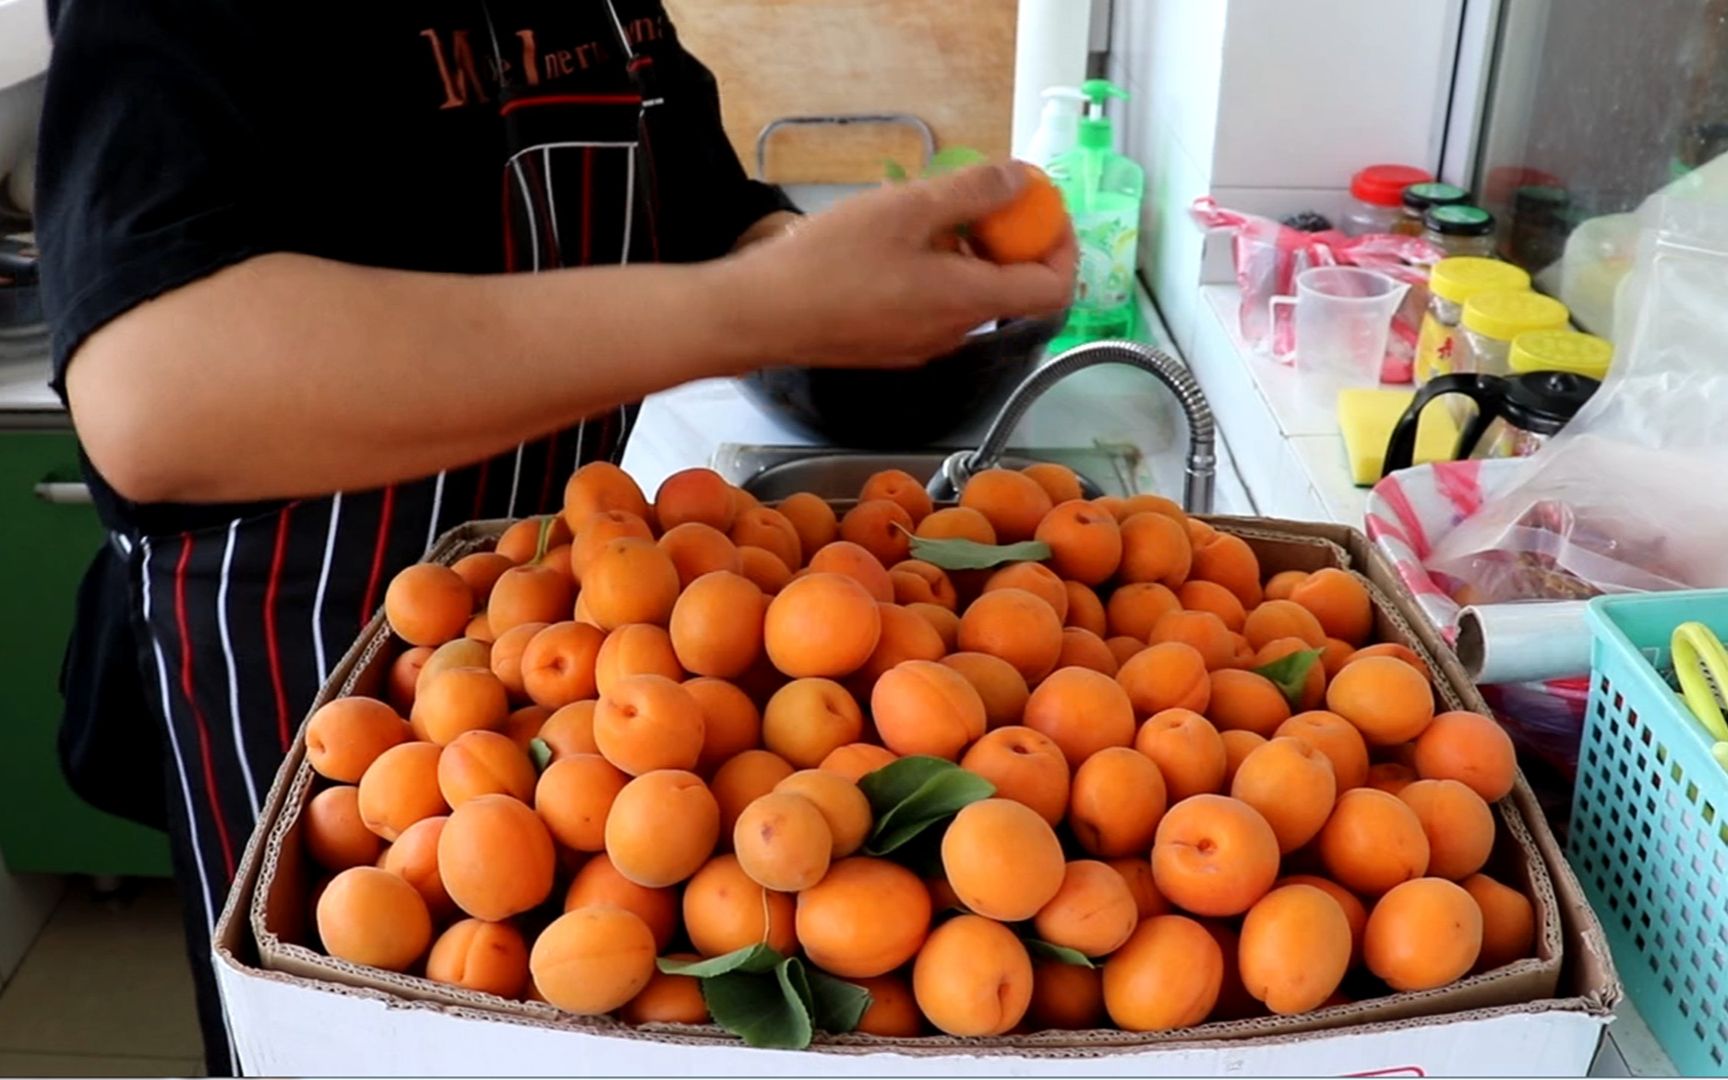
(911, 407)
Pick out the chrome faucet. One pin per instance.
(1202, 434)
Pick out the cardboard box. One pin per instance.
(293, 1011)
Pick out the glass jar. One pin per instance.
(1377, 197)
(1492, 320)
(1460, 229)
(1561, 350)
(1420, 198)
(1450, 284)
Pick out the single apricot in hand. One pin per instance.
(1029, 227)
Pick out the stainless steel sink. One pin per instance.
(774, 472)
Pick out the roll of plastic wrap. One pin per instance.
(1050, 49)
(1517, 643)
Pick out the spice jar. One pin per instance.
(1421, 198)
(1561, 350)
(1450, 284)
(1377, 197)
(1460, 229)
(1492, 320)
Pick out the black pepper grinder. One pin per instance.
(1534, 408)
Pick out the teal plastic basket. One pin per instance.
(1649, 832)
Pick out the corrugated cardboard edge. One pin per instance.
(1530, 986)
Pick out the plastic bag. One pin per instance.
(1268, 256)
(1629, 497)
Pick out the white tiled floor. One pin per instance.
(104, 991)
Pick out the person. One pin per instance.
(278, 253)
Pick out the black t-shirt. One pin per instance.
(180, 136)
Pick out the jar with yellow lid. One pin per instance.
(1492, 320)
(1451, 283)
(1561, 350)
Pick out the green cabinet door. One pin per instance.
(45, 544)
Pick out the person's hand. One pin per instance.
(877, 281)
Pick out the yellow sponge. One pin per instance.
(1366, 418)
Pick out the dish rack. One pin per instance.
(1649, 835)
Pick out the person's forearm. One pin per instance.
(766, 229)
(288, 375)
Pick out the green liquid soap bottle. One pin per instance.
(1103, 190)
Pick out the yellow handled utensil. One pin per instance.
(1701, 666)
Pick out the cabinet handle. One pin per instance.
(63, 493)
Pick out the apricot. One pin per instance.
(346, 735)
(1065, 997)
(1012, 502)
(505, 658)
(1137, 872)
(428, 604)
(1423, 934)
(648, 722)
(893, 1012)
(999, 684)
(1085, 541)
(943, 621)
(459, 700)
(1355, 913)
(404, 676)
(1395, 651)
(1167, 975)
(724, 911)
(570, 730)
(599, 884)
(743, 780)
(822, 625)
(1470, 748)
(574, 798)
(484, 763)
(849, 559)
(637, 649)
(1279, 585)
(1214, 855)
(957, 523)
(1313, 684)
(630, 580)
(1215, 599)
(764, 568)
(1508, 922)
(1201, 630)
(521, 541)
(523, 725)
(1187, 749)
(1294, 949)
(1083, 648)
(668, 999)
(783, 842)
(1093, 912)
(414, 859)
(1133, 610)
(716, 626)
(1155, 548)
(1390, 777)
(1244, 701)
(1334, 655)
(898, 486)
(807, 719)
(1170, 675)
(1292, 785)
(1002, 859)
(1035, 578)
(1372, 842)
(528, 594)
(864, 919)
(1082, 711)
(854, 761)
(662, 828)
(1339, 602)
(495, 857)
(771, 531)
(1016, 626)
(558, 664)
(1060, 482)
(1275, 619)
(592, 960)
(697, 495)
(697, 549)
(842, 805)
(1459, 825)
(336, 837)
(1227, 560)
(1386, 699)
(973, 977)
(731, 723)
(461, 653)
(400, 788)
(812, 519)
(1237, 746)
(1116, 802)
(600, 486)
(905, 637)
(1335, 737)
(922, 707)
(1023, 765)
(1085, 610)
(600, 529)
(881, 527)
(917, 582)
(481, 571)
(490, 958)
(371, 917)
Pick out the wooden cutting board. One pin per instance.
(948, 62)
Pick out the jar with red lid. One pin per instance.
(1377, 197)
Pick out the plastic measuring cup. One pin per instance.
(1343, 319)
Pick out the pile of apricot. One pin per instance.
(636, 731)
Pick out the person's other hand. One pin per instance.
(877, 282)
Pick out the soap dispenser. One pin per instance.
(1103, 191)
(1059, 126)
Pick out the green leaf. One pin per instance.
(545, 539)
(1291, 673)
(959, 554)
(894, 171)
(940, 797)
(895, 782)
(750, 960)
(1043, 950)
(953, 158)
(835, 1004)
(766, 1010)
(541, 752)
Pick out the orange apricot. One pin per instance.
(943, 621)
(1423, 934)
(1016, 626)
(853, 561)
(648, 722)
(1167, 975)
(1035, 578)
(743, 780)
(973, 977)
(1508, 922)
(1082, 711)
(346, 735)
(1085, 542)
(905, 636)
(824, 625)
(491, 958)
(592, 960)
(1085, 609)
(842, 805)
(1372, 842)
(898, 486)
(336, 836)
(1244, 701)
(1083, 648)
(922, 707)
(372, 917)
(599, 884)
(1214, 598)
(1002, 859)
(668, 999)
(918, 582)
(807, 719)
(1202, 630)
(812, 519)
(414, 859)
(1023, 765)
(697, 549)
(999, 684)
(428, 604)
(893, 1012)
(694, 495)
(574, 797)
(783, 842)
(1392, 649)
(1116, 803)
(528, 594)
(1291, 784)
(630, 581)
(881, 527)
(400, 788)
(1335, 737)
(724, 911)
(1227, 560)
(495, 858)
(404, 677)
(1169, 675)
(1294, 949)
(636, 649)
(716, 626)
(1313, 684)
(1155, 548)
(601, 529)
(600, 486)
(1339, 601)
(481, 571)
(1060, 482)
(1386, 699)
(570, 730)
(1278, 586)
(1470, 748)
(1334, 655)
(1187, 749)
(1355, 912)
(1275, 619)
(1459, 825)
(1137, 872)
(957, 523)
(731, 723)
(662, 828)
(1133, 610)
(1012, 502)
(505, 659)
(1214, 855)
(1237, 746)
(484, 763)
(558, 664)
(864, 919)
(855, 761)
(764, 568)
(1391, 777)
